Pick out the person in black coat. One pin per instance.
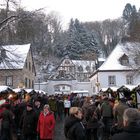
(73, 127)
(6, 122)
(92, 122)
(131, 121)
(28, 123)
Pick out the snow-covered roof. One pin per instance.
(112, 62)
(15, 56)
(101, 59)
(4, 88)
(84, 64)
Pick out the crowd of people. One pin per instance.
(85, 118)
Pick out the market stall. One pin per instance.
(126, 92)
(7, 93)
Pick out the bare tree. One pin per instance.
(108, 33)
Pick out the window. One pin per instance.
(26, 65)
(29, 66)
(80, 68)
(32, 68)
(62, 73)
(67, 62)
(32, 84)
(111, 80)
(124, 60)
(29, 83)
(26, 82)
(9, 80)
(129, 80)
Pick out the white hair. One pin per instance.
(131, 115)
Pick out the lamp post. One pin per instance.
(39, 80)
(39, 83)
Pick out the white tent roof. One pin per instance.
(3, 88)
(40, 91)
(15, 56)
(114, 88)
(103, 89)
(130, 87)
(29, 90)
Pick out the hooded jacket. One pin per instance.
(46, 125)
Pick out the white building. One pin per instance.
(118, 69)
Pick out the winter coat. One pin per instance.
(74, 129)
(53, 105)
(91, 117)
(132, 132)
(106, 109)
(60, 106)
(38, 110)
(6, 116)
(28, 122)
(46, 125)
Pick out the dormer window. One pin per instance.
(80, 68)
(124, 60)
(67, 62)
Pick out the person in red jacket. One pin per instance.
(46, 124)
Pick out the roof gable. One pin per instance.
(113, 61)
(15, 56)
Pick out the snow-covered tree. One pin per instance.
(80, 41)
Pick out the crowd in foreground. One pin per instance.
(85, 118)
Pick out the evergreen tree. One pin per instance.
(132, 19)
(80, 41)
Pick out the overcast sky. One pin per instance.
(84, 10)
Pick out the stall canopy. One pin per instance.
(125, 90)
(5, 89)
(19, 90)
(30, 91)
(40, 92)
